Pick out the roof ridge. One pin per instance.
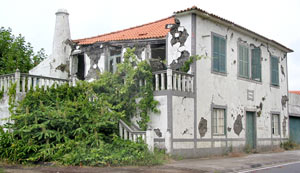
(77, 40)
(232, 23)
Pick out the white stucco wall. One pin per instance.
(231, 91)
(294, 104)
(159, 120)
(183, 117)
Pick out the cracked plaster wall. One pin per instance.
(227, 90)
(183, 117)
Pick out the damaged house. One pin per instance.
(233, 98)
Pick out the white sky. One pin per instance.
(276, 19)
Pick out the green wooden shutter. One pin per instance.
(222, 57)
(219, 54)
(243, 61)
(256, 64)
(274, 71)
(216, 44)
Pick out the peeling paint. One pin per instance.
(157, 132)
(284, 126)
(181, 35)
(202, 127)
(284, 100)
(282, 71)
(238, 125)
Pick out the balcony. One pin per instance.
(171, 80)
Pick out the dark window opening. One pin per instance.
(158, 51)
(81, 67)
(111, 65)
(118, 60)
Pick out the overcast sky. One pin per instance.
(276, 19)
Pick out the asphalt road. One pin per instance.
(293, 167)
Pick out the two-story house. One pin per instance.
(235, 97)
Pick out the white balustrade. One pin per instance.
(173, 80)
(25, 82)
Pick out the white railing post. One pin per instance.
(8, 82)
(168, 141)
(169, 79)
(40, 83)
(174, 81)
(17, 79)
(130, 136)
(162, 81)
(179, 82)
(150, 139)
(188, 84)
(29, 82)
(183, 83)
(156, 82)
(34, 83)
(120, 130)
(5, 84)
(23, 83)
(125, 134)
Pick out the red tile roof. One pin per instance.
(206, 14)
(295, 92)
(155, 29)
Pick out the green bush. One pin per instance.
(79, 125)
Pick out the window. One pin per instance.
(275, 124)
(246, 64)
(256, 64)
(243, 61)
(219, 53)
(274, 71)
(218, 121)
(118, 60)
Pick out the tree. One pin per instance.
(15, 53)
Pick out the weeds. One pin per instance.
(288, 145)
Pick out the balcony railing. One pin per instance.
(128, 133)
(173, 80)
(25, 82)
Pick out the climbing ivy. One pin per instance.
(79, 125)
(187, 64)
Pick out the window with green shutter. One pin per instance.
(243, 61)
(274, 71)
(255, 64)
(219, 53)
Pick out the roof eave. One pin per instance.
(236, 28)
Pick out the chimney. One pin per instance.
(60, 50)
(61, 34)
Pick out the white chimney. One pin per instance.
(61, 34)
(57, 64)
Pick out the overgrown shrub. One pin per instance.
(79, 125)
(288, 145)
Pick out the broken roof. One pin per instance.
(158, 29)
(295, 92)
(155, 29)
